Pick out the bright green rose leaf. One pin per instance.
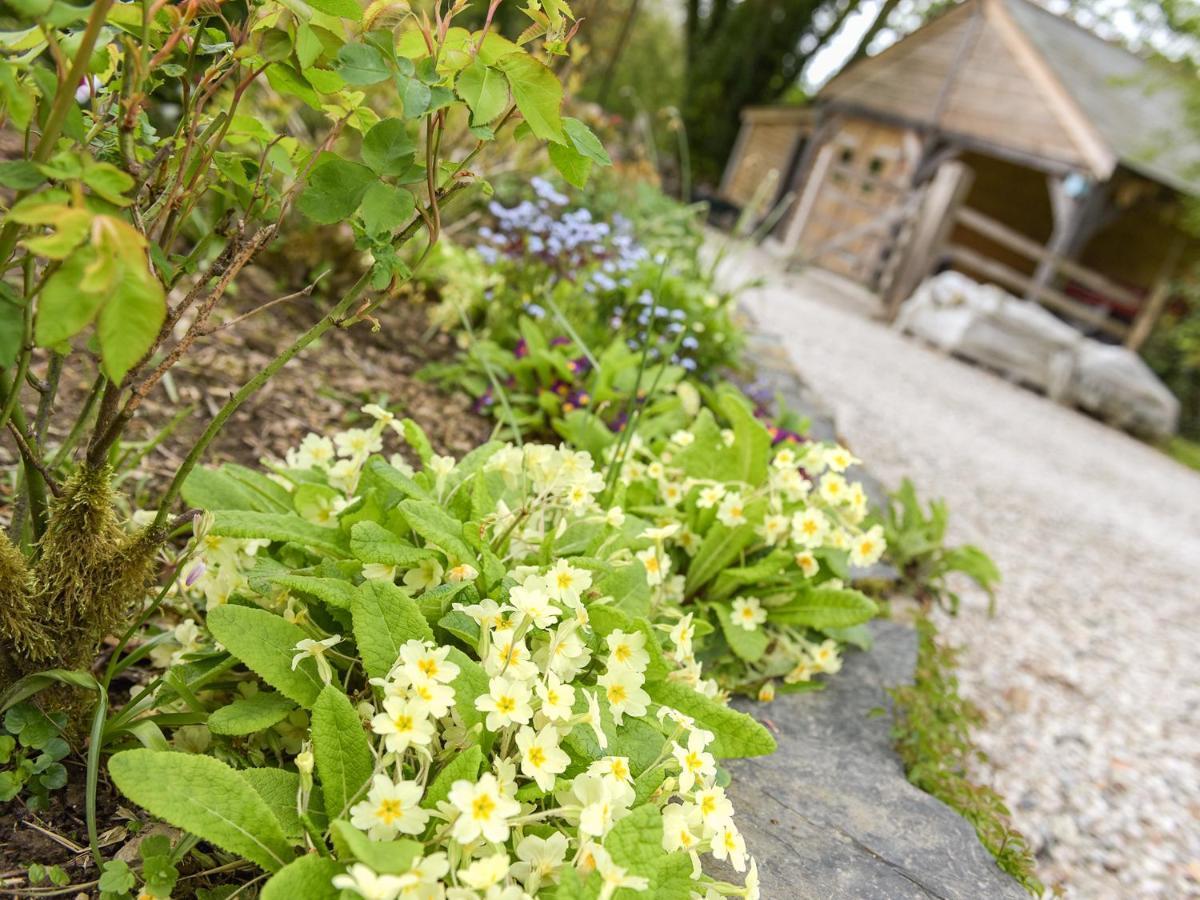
(335, 189)
(388, 147)
(537, 92)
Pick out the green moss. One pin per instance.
(85, 575)
(932, 730)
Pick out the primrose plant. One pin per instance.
(152, 176)
(490, 709)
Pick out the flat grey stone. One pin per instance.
(831, 815)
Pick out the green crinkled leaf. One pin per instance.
(635, 843)
(370, 542)
(462, 626)
(385, 857)
(416, 438)
(393, 478)
(248, 524)
(342, 752)
(438, 528)
(825, 608)
(278, 788)
(768, 570)
(309, 877)
(247, 715)
(721, 546)
(627, 586)
(749, 645)
(213, 489)
(266, 644)
(606, 619)
(385, 616)
(470, 683)
(537, 92)
(736, 734)
(206, 797)
(463, 766)
(331, 591)
(751, 441)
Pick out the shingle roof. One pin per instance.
(1139, 106)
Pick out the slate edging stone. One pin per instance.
(831, 816)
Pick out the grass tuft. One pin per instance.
(932, 730)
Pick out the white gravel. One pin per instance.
(1089, 673)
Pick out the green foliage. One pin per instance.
(174, 172)
(206, 797)
(31, 754)
(932, 731)
(916, 545)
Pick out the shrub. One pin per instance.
(144, 176)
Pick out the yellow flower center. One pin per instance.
(389, 811)
(623, 653)
(536, 756)
(505, 704)
(403, 722)
(694, 762)
(565, 580)
(482, 807)
(708, 805)
(617, 694)
(429, 666)
(619, 770)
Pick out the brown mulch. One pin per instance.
(321, 390)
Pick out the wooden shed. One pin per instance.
(1003, 141)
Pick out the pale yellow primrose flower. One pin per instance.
(748, 613)
(390, 808)
(506, 703)
(483, 810)
(427, 574)
(362, 880)
(541, 757)
(316, 649)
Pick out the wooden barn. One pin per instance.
(1001, 140)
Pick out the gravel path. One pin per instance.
(1090, 671)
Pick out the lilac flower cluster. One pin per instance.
(661, 326)
(566, 241)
